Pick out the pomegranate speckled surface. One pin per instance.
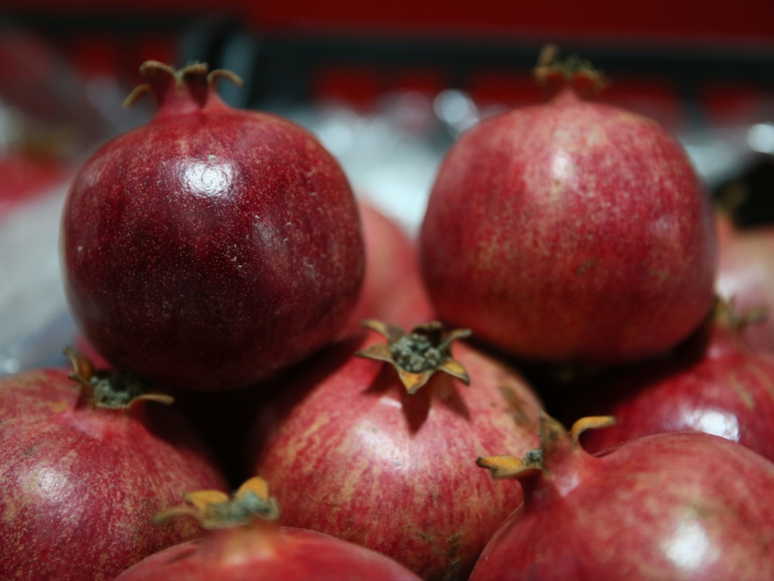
(571, 230)
(351, 454)
(80, 485)
(668, 506)
(212, 245)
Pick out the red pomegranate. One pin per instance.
(746, 277)
(84, 466)
(669, 506)
(392, 289)
(210, 246)
(354, 454)
(570, 231)
(244, 542)
(713, 383)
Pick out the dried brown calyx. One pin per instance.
(572, 72)
(217, 510)
(417, 355)
(194, 79)
(108, 389)
(556, 443)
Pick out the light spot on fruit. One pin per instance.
(48, 482)
(561, 172)
(204, 179)
(688, 546)
(714, 422)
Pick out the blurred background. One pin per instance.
(386, 86)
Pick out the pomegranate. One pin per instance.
(84, 470)
(746, 277)
(244, 542)
(392, 289)
(570, 231)
(211, 246)
(667, 506)
(362, 451)
(713, 383)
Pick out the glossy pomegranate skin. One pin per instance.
(721, 388)
(746, 275)
(211, 246)
(571, 230)
(79, 486)
(349, 453)
(669, 506)
(291, 555)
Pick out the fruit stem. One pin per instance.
(573, 73)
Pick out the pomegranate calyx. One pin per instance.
(573, 73)
(510, 466)
(589, 423)
(105, 389)
(216, 510)
(194, 78)
(555, 444)
(417, 355)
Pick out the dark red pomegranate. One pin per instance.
(392, 289)
(746, 277)
(212, 245)
(84, 466)
(570, 231)
(712, 384)
(669, 506)
(244, 542)
(353, 454)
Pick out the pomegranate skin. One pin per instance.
(79, 485)
(668, 506)
(719, 387)
(351, 454)
(570, 231)
(292, 555)
(746, 276)
(211, 246)
(392, 288)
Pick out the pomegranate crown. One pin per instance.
(417, 355)
(555, 443)
(216, 510)
(194, 80)
(573, 72)
(106, 389)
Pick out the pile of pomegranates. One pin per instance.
(258, 324)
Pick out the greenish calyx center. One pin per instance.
(116, 390)
(416, 353)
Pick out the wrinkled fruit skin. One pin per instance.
(724, 390)
(669, 506)
(295, 555)
(746, 276)
(208, 248)
(570, 231)
(79, 487)
(349, 453)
